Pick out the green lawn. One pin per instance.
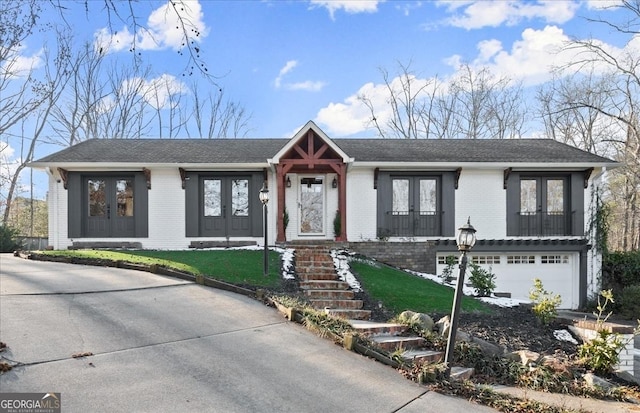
(396, 289)
(400, 291)
(242, 267)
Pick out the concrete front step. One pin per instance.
(324, 285)
(429, 356)
(351, 314)
(461, 373)
(337, 304)
(329, 294)
(393, 343)
(372, 327)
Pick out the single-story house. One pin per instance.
(529, 199)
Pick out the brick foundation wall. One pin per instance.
(416, 256)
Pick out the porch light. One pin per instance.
(264, 198)
(334, 183)
(466, 239)
(288, 183)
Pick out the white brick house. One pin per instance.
(529, 199)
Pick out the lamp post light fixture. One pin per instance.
(264, 198)
(466, 239)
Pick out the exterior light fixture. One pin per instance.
(288, 183)
(264, 198)
(466, 239)
(334, 183)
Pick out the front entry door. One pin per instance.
(225, 207)
(110, 202)
(311, 206)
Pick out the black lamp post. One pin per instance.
(466, 239)
(264, 198)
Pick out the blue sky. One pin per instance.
(287, 62)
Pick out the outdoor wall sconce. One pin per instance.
(288, 183)
(334, 183)
(466, 239)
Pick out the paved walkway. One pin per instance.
(161, 344)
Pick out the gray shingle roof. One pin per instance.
(211, 151)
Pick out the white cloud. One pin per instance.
(349, 6)
(16, 64)
(169, 26)
(158, 91)
(307, 85)
(289, 66)
(478, 14)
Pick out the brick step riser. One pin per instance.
(315, 266)
(313, 270)
(351, 314)
(436, 357)
(323, 285)
(328, 295)
(405, 344)
(374, 331)
(318, 277)
(337, 304)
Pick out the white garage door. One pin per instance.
(515, 273)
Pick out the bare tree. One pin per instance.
(619, 102)
(216, 117)
(474, 104)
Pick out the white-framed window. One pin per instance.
(521, 259)
(486, 259)
(554, 259)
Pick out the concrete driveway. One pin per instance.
(166, 345)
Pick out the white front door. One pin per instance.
(312, 206)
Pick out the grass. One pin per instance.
(241, 267)
(399, 291)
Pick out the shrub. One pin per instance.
(447, 272)
(620, 269)
(545, 303)
(483, 281)
(602, 353)
(629, 303)
(9, 241)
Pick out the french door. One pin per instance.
(109, 207)
(415, 207)
(224, 206)
(543, 206)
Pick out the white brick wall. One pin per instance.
(480, 196)
(361, 205)
(166, 211)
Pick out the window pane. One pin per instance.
(97, 198)
(240, 197)
(400, 197)
(212, 197)
(555, 196)
(427, 197)
(124, 197)
(528, 196)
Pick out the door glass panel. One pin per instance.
(124, 197)
(400, 200)
(212, 198)
(240, 197)
(528, 196)
(555, 196)
(311, 206)
(97, 197)
(427, 197)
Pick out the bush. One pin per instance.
(602, 353)
(620, 269)
(545, 303)
(483, 281)
(9, 241)
(447, 272)
(629, 302)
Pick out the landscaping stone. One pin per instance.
(443, 326)
(526, 357)
(595, 381)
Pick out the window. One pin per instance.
(521, 259)
(485, 259)
(545, 205)
(107, 205)
(554, 259)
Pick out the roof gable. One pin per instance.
(303, 134)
